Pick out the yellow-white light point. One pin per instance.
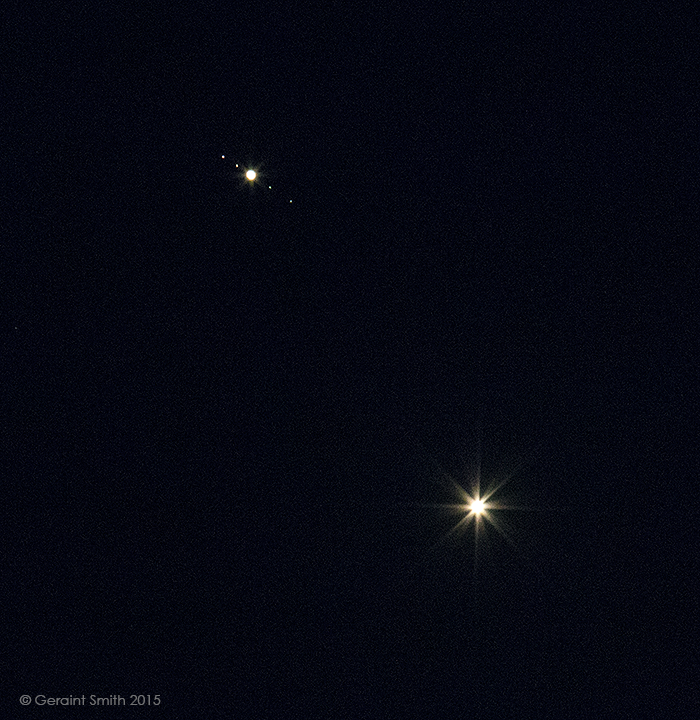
(477, 507)
(251, 175)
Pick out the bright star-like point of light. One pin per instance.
(251, 175)
(477, 507)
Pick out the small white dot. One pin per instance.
(250, 174)
(223, 156)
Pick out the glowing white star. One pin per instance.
(482, 508)
(251, 175)
(477, 507)
(482, 515)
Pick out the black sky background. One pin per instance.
(230, 417)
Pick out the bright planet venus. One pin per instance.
(477, 507)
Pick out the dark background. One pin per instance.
(230, 418)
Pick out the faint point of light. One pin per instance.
(477, 507)
(250, 175)
(223, 156)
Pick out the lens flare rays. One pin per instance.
(483, 508)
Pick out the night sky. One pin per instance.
(234, 423)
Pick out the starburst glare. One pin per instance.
(475, 507)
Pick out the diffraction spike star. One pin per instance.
(481, 508)
(471, 502)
